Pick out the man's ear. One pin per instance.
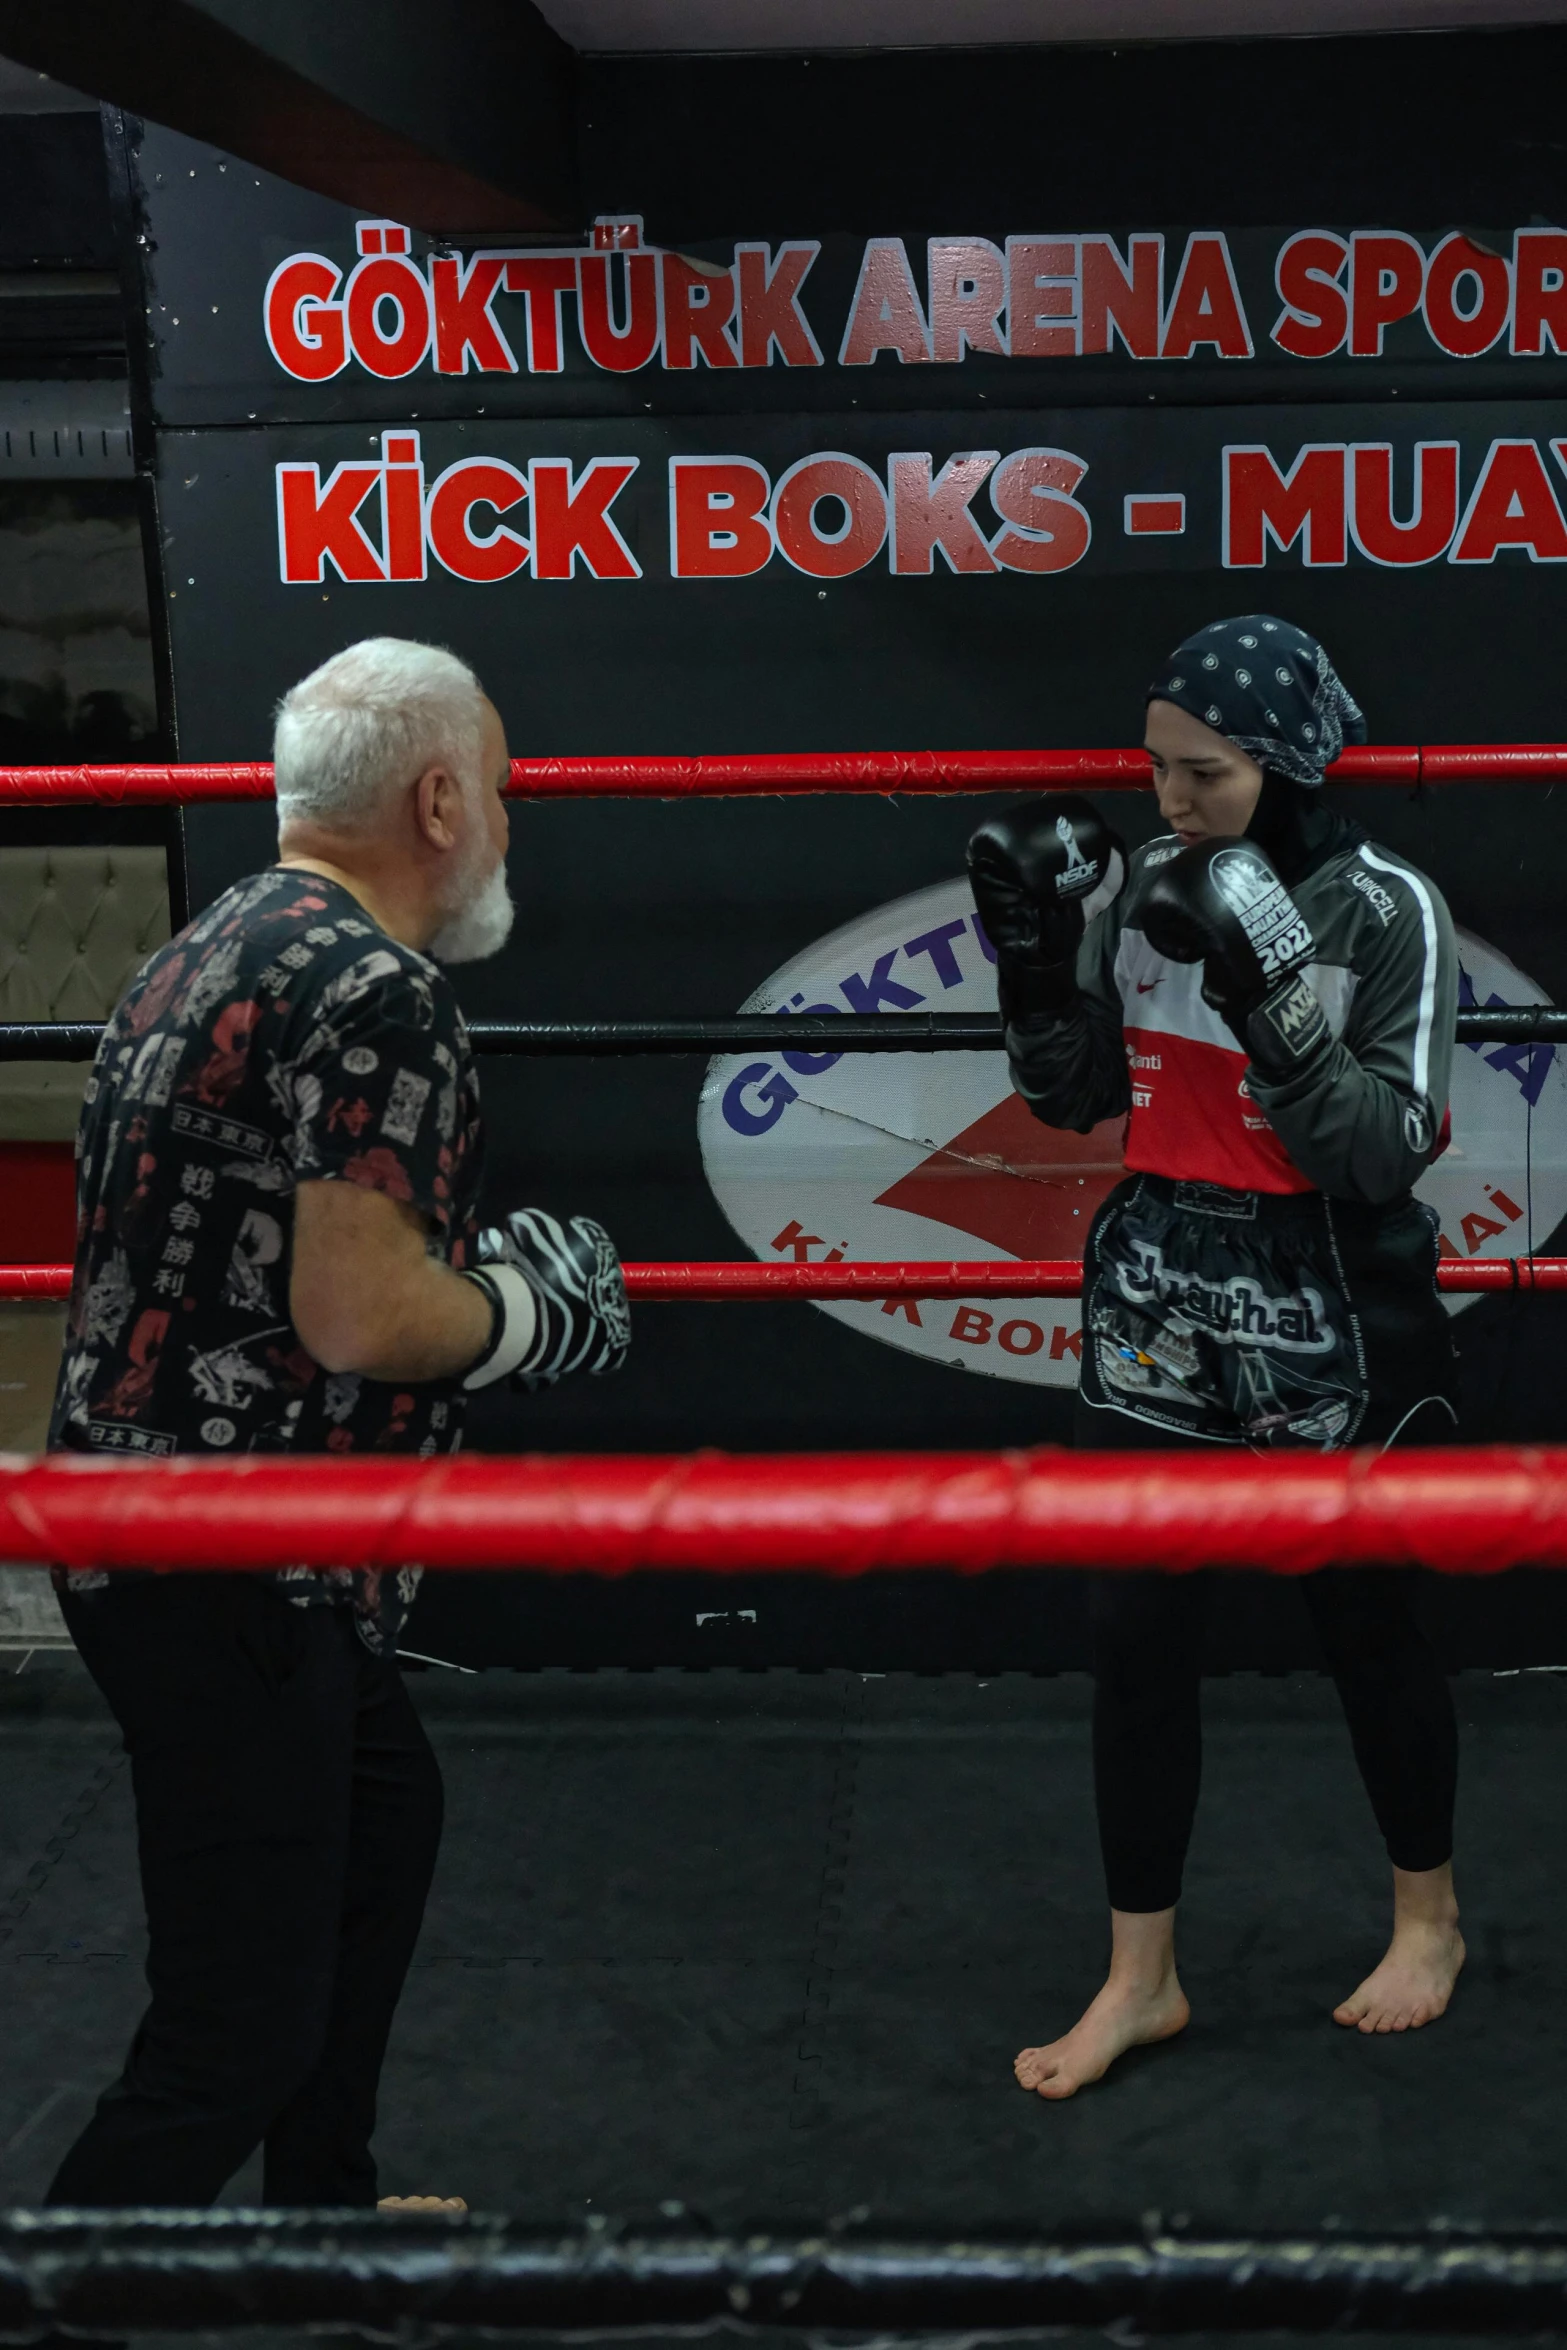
(438, 807)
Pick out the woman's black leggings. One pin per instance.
(1147, 1637)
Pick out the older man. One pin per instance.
(278, 1251)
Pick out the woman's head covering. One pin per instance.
(1269, 688)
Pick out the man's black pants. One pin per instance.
(288, 1811)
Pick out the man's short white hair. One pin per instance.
(367, 723)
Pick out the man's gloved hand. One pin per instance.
(1221, 904)
(1031, 870)
(559, 1296)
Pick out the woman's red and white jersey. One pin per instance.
(1364, 1120)
(1192, 1114)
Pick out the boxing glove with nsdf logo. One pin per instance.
(1220, 903)
(1031, 871)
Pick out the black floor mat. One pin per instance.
(767, 1943)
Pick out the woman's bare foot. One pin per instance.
(1413, 1984)
(1118, 2019)
(1142, 2000)
(1415, 1980)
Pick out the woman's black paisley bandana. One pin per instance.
(1269, 688)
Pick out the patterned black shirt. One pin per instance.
(282, 1038)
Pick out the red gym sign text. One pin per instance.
(624, 307)
(829, 514)
(1337, 493)
(484, 520)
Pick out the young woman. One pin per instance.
(1270, 999)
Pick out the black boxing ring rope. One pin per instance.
(849, 1032)
(411, 2278)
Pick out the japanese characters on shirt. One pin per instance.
(282, 1038)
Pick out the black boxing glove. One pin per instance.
(1221, 904)
(559, 1298)
(1030, 871)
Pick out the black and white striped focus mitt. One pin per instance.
(559, 1297)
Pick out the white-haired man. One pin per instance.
(278, 1250)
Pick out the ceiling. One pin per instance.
(860, 24)
(22, 91)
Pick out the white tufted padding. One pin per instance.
(31, 1336)
(75, 926)
(30, 1616)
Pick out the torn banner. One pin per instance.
(824, 1157)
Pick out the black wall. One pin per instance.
(647, 909)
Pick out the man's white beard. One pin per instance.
(480, 925)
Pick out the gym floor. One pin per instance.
(767, 1942)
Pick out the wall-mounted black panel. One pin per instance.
(1403, 128)
(718, 551)
(54, 193)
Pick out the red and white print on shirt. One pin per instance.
(1191, 1115)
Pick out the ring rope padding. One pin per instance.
(1460, 1510)
(125, 2271)
(745, 1281)
(725, 774)
(846, 1032)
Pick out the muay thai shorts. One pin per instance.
(1243, 1317)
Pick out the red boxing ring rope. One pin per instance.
(29, 1281)
(799, 771)
(1045, 1277)
(1474, 1512)
(719, 1283)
